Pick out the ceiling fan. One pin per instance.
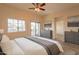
(38, 7)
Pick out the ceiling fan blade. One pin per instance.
(43, 4)
(34, 4)
(37, 5)
(31, 8)
(42, 9)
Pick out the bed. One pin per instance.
(30, 46)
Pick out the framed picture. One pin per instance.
(73, 21)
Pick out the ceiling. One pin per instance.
(50, 7)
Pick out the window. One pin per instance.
(35, 28)
(15, 25)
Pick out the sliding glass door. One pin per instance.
(37, 32)
(35, 28)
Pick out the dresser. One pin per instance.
(72, 37)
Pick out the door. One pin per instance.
(60, 29)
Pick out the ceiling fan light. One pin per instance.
(37, 9)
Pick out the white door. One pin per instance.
(60, 29)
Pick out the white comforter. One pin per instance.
(30, 47)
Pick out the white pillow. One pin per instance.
(5, 38)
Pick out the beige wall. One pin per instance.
(11, 12)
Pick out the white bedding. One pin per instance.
(30, 47)
(11, 48)
(23, 46)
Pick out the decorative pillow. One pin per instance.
(5, 38)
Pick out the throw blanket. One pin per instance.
(51, 48)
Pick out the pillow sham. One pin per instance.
(5, 38)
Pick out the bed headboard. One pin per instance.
(46, 34)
